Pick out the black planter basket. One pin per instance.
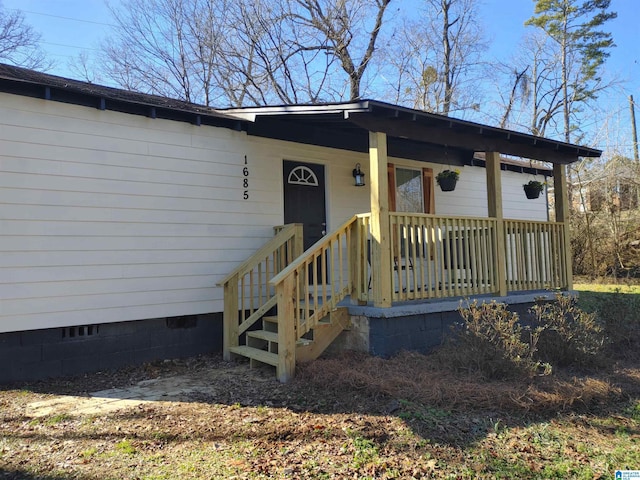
(448, 184)
(531, 191)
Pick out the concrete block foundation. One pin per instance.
(55, 352)
(419, 326)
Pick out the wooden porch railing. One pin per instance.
(435, 256)
(438, 257)
(360, 258)
(432, 256)
(314, 284)
(247, 292)
(535, 255)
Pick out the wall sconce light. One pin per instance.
(358, 175)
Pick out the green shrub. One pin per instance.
(568, 335)
(492, 342)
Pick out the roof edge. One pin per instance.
(368, 106)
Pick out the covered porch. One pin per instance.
(382, 258)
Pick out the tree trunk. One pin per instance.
(446, 44)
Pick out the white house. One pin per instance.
(125, 217)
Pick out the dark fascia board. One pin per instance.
(421, 127)
(353, 139)
(308, 133)
(413, 129)
(442, 123)
(59, 89)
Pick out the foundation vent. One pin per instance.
(80, 331)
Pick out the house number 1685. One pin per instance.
(245, 180)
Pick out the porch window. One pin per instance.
(410, 189)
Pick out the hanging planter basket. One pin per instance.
(533, 189)
(447, 179)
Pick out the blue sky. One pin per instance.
(70, 26)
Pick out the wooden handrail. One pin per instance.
(433, 256)
(284, 234)
(312, 286)
(312, 250)
(247, 294)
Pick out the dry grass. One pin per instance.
(353, 416)
(348, 417)
(420, 378)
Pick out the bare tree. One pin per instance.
(412, 76)
(437, 56)
(534, 83)
(279, 61)
(19, 42)
(245, 52)
(345, 29)
(167, 47)
(83, 68)
(546, 83)
(520, 88)
(145, 53)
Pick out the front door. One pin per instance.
(304, 199)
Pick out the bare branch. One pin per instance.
(19, 42)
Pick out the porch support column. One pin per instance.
(380, 244)
(494, 197)
(562, 215)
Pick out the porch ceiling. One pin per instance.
(411, 133)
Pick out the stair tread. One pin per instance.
(263, 335)
(273, 337)
(257, 354)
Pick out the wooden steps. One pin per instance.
(323, 335)
(256, 354)
(265, 335)
(270, 323)
(278, 277)
(262, 345)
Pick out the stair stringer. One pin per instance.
(324, 333)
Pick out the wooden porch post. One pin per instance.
(494, 197)
(358, 262)
(286, 329)
(298, 241)
(298, 249)
(380, 244)
(230, 317)
(562, 215)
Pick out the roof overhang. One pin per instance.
(411, 133)
(30, 83)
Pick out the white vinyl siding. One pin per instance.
(516, 205)
(108, 217)
(470, 197)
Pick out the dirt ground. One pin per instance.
(352, 417)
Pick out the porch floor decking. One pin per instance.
(438, 305)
